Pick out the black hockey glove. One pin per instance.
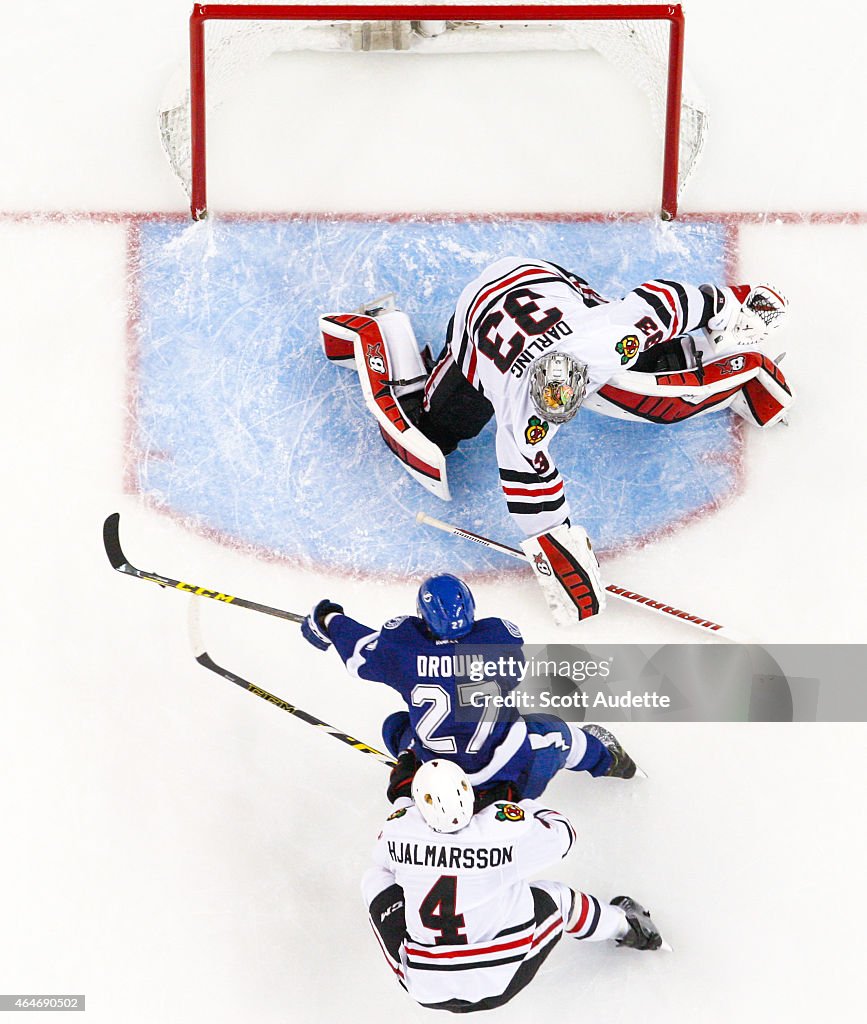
(506, 791)
(400, 781)
(313, 628)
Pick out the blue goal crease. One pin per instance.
(245, 429)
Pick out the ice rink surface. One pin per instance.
(231, 336)
(180, 852)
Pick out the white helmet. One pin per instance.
(443, 795)
(558, 384)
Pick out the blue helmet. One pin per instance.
(447, 606)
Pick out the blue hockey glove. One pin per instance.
(313, 628)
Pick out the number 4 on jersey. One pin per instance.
(439, 912)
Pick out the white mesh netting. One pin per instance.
(234, 49)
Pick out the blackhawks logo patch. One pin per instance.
(509, 812)
(399, 813)
(536, 430)
(627, 348)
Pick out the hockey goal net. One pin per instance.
(645, 42)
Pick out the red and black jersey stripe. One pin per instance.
(529, 508)
(497, 952)
(713, 303)
(469, 958)
(517, 477)
(549, 929)
(589, 296)
(516, 928)
(587, 919)
(663, 313)
(493, 292)
(683, 301)
(520, 508)
(529, 493)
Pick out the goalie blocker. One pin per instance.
(567, 570)
(380, 344)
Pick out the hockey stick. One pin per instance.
(119, 561)
(616, 591)
(206, 661)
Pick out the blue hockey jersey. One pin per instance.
(452, 712)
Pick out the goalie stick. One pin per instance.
(706, 625)
(206, 661)
(119, 561)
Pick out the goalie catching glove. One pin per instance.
(746, 316)
(568, 572)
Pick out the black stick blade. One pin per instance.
(111, 540)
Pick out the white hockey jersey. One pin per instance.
(469, 909)
(518, 309)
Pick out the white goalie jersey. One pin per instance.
(519, 309)
(471, 917)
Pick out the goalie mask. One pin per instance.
(558, 384)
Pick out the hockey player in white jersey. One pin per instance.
(457, 920)
(531, 343)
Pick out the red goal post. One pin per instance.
(183, 125)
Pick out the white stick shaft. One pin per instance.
(614, 589)
(422, 517)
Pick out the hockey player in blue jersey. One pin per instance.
(426, 659)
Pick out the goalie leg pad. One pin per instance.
(764, 400)
(337, 329)
(407, 365)
(751, 383)
(567, 570)
(338, 337)
(419, 456)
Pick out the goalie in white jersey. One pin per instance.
(530, 343)
(458, 922)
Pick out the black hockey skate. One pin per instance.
(622, 765)
(643, 933)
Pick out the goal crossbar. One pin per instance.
(202, 13)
